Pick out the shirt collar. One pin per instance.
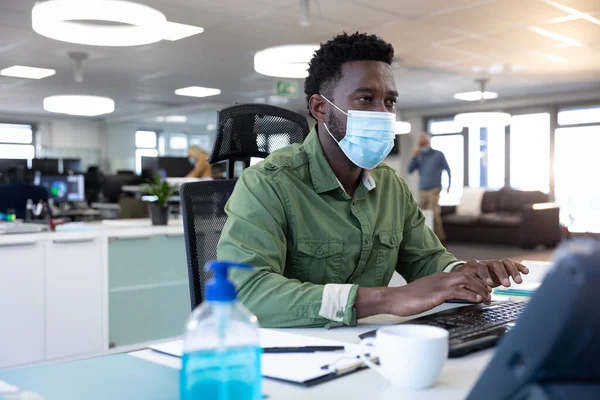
(322, 176)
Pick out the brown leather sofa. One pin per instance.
(508, 216)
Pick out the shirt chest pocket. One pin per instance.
(317, 261)
(388, 245)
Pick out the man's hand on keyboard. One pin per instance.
(433, 290)
(495, 272)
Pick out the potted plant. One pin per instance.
(159, 208)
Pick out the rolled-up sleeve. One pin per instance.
(255, 233)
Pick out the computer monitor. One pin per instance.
(150, 163)
(113, 185)
(64, 188)
(47, 166)
(72, 164)
(12, 169)
(175, 167)
(553, 351)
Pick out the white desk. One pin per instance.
(455, 382)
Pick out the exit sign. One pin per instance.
(286, 89)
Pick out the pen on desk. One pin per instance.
(302, 349)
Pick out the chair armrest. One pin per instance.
(541, 224)
(446, 210)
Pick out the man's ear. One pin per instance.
(317, 107)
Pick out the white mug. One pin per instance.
(410, 356)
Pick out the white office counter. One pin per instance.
(77, 293)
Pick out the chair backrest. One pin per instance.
(203, 210)
(255, 130)
(244, 131)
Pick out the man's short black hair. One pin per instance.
(325, 68)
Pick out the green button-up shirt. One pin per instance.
(313, 245)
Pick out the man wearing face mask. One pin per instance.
(326, 223)
(430, 163)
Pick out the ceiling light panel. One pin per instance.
(197, 91)
(475, 95)
(284, 61)
(555, 36)
(21, 71)
(87, 106)
(174, 31)
(69, 21)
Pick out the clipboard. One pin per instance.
(304, 369)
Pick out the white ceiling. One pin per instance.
(438, 44)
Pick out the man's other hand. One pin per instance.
(495, 272)
(433, 290)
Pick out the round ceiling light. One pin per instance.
(289, 61)
(86, 106)
(482, 119)
(76, 21)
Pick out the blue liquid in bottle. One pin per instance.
(233, 374)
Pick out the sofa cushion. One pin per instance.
(455, 219)
(470, 202)
(489, 202)
(501, 218)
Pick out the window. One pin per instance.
(202, 141)
(576, 165)
(530, 152)
(178, 142)
(16, 141)
(486, 157)
(453, 148)
(574, 116)
(145, 143)
(444, 126)
(145, 140)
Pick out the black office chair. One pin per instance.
(255, 130)
(244, 131)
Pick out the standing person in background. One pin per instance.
(199, 159)
(430, 163)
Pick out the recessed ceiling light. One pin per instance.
(21, 71)
(87, 106)
(289, 61)
(197, 91)
(69, 21)
(555, 36)
(475, 95)
(403, 127)
(172, 118)
(174, 31)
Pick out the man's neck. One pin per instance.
(345, 171)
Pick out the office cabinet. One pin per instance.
(148, 288)
(74, 296)
(21, 302)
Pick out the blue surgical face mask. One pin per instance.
(369, 136)
(425, 149)
(192, 161)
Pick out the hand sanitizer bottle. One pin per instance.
(221, 346)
